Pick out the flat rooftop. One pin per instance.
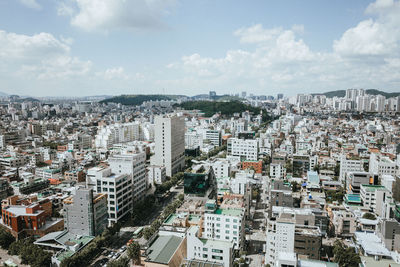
(163, 248)
(21, 211)
(371, 244)
(216, 243)
(229, 212)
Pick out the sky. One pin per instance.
(264, 47)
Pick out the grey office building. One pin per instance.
(85, 213)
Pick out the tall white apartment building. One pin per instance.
(224, 224)
(374, 196)
(209, 250)
(135, 166)
(280, 238)
(277, 171)
(193, 139)
(222, 168)
(118, 133)
(118, 188)
(214, 136)
(170, 143)
(363, 103)
(244, 148)
(380, 103)
(238, 126)
(156, 174)
(381, 165)
(347, 165)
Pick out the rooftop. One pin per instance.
(163, 248)
(371, 244)
(216, 243)
(21, 210)
(373, 187)
(229, 212)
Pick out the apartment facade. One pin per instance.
(246, 149)
(280, 238)
(135, 166)
(118, 188)
(85, 213)
(169, 143)
(213, 251)
(226, 224)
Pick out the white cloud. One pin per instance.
(114, 73)
(375, 36)
(31, 4)
(105, 15)
(257, 34)
(40, 56)
(18, 46)
(365, 56)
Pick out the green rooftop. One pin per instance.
(229, 212)
(65, 255)
(170, 218)
(369, 187)
(163, 248)
(194, 218)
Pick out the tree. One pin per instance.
(369, 216)
(345, 256)
(295, 186)
(255, 194)
(134, 253)
(147, 233)
(5, 239)
(121, 262)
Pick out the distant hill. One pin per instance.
(226, 108)
(134, 100)
(378, 92)
(342, 93)
(3, 94)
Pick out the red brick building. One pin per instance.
(22, 221)
(256, 165)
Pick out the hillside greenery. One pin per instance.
(225, 108)
(134, 100)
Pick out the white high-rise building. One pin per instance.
(245, 149)
(118, 133)
(118, 188)
(210, 250)
(170, 143)
(156, 174)
(225, 224)
(381, 165)
(347, 165)
(134, 165)
(277, 171)
(280, 238)
(380, 103)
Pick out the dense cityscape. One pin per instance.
(308, 180)
(211, 133)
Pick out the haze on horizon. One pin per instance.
(96, 47)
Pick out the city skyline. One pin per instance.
(83, 48)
